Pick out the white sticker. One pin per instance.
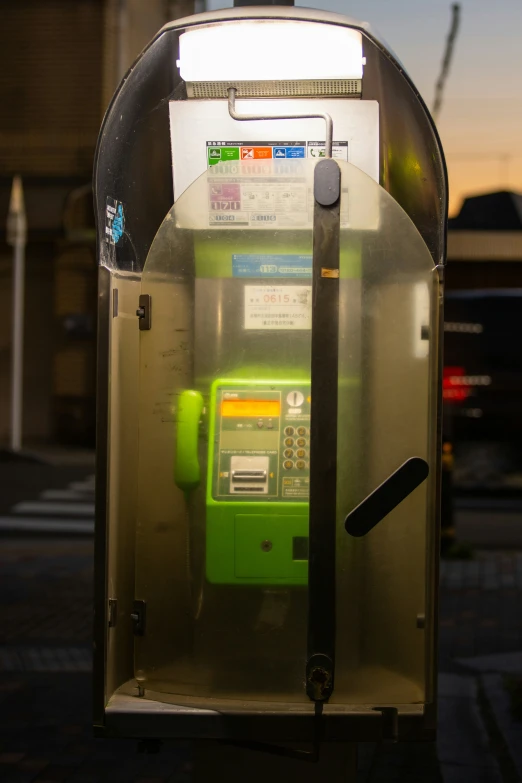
(316, 149)
(278, 307)
(245, 201)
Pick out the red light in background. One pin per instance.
(453, 389)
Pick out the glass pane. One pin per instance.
(222, 541)
(224, 426)
(387, 361)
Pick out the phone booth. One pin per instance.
(271, 205)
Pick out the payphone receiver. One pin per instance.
(258, 475)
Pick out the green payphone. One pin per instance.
(258, 478)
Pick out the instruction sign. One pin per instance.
(224, 151)
(278, 307)
(256, 201)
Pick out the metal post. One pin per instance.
(232, 94)
(17, 238)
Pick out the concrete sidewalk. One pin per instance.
(45, 636)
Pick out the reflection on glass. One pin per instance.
(221, 555)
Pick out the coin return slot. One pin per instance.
(300, 548)
(249, 489)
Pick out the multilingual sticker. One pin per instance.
(223, 151)
(226, 151)
(114, 221)
(277, 307)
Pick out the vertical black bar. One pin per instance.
(323, 432)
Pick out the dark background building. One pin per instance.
(62, 60)
(483, 342)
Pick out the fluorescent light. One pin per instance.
(270, 50)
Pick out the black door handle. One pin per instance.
(386, 497)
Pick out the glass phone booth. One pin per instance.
(269, 390)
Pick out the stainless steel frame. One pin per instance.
(413, 172)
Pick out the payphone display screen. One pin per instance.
(261, 441)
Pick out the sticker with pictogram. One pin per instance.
(225, 197)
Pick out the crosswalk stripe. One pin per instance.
(63, 494)
(47, 509)
(40, 525)
(64, 511)
(82, 486)
(45, 659)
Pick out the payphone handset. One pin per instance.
(258, 474)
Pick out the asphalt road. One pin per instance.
(489, 523)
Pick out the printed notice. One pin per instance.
(296, 487)
(278, 307)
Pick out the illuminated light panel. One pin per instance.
(250, 408)
(270, 50)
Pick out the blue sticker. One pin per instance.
(288, 152)
(252, 265)
(114, 221)
(295, 152)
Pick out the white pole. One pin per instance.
(17, 237)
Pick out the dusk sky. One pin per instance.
(481, 119)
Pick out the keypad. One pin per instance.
(295, 443)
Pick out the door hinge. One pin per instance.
(138, 617)
(143, 311)
(113, 612)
